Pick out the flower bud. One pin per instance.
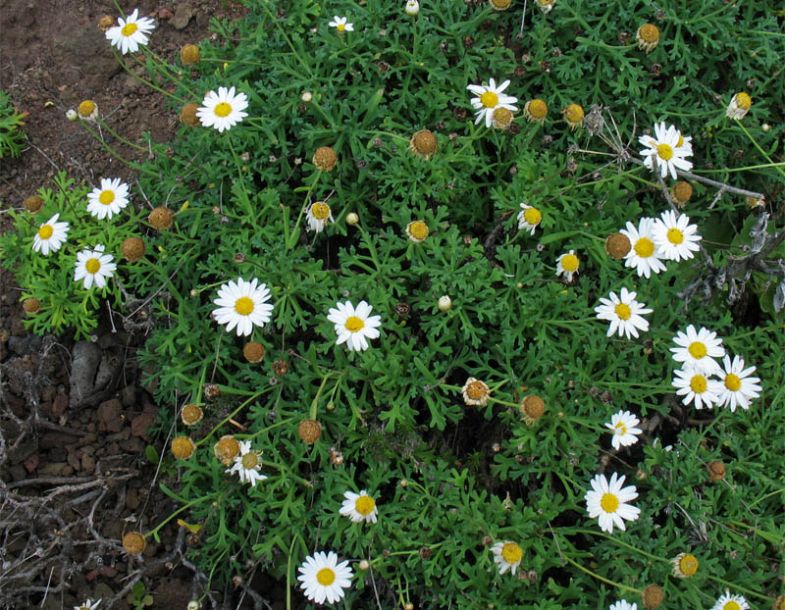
(445, 303)
(352, 219)
(412, 7)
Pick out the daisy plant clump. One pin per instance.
(450, 307)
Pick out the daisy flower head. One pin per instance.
(94, 267)
(417, 231)
(535, 110)
(624, 313)
(737, 386)
(685, 565)
(475, 392)
(108, 199)
(739, 106)
(243, 305)
(529, 218)
(247, 465)
(130, 33)
(322, 578)
(359, 507)
(731, 602)
(608, 501)
(643, 255)
(88, 604)
(318, 216)
(567, 265)
(87, 110)
(623, 605)
(50, 236)
(574, 115)
(623, 425)
(223, 110)
(489, 98)
(340, 24)
(676, 239)
(697, 349)
(545, 5)
(412, 7)
(668, 149)
(507, 556)
(354, 325)
(647, 37)
(696, 387)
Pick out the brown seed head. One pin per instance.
(105, 22)
(253, 352)
(31, 305)
(280, 367)
(33, 204)
(652, 596)
(134, 543)
(617, 245)
(779, 603)
(188, 115)
(500, 5)
(502, 118)
(212, 391)
(161, 218)
(132, 249)
(190, 55)
(325, 158)
(425, 552)
(681, 192)
(182, 447)
(191, 414)
(532, 407)
(226, 449)
(716, 471)
(309, 431)
(423, 144)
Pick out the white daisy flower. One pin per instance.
(354, 326)
(697, 349)
(623, 605)
(340, 24)
(731, 602)
(244, 305)
(643, 254)
(739, 106)
(489, 98)
(247, 465)
(359, 507)
(546, 5)
(608, 502)
(94, 267)
(222, 110)
(529, 218)
(676, 239)
(88, 604)
(507, 556)
(625, 433)
(696, 387)
(130, 33)
(567, 265)
(50, 236)
(108, 199)
(322, 578)
(737, 387)
(318, 216)
(475, 392)
(624, 313)
(667, 149)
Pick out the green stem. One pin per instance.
(154, 532)
(232, 415)
(760, 150)
(596, 576)
(147, 82)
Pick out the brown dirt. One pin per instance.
(73, 477)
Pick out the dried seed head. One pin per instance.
(532, 408)
(134, 543)
(425, 552)
(502, 118)
(161, 218)
(653, 596)
(352, 219)
(309, 431)
(336, 457)
(648, 37)
(191, 414)
(33, 204)
(500, 5)
(475, 392)
(574, 115)
(132, 249)
(536, 110)
(226, 449)
(681, 192)
(779, 603)
(280, 367)
(212, 391)
(190, 55)
(716, 471)
(325, 158)
(31, 305)
(423, 143)
(88, 110)
(617, 245)
(182, 447)
(253, 352)
(188, 115)
(105, 22)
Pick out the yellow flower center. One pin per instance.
(675, 236)
(665, 152)
(92, 265)
(644, 247)
(574, 114)
(570, 263)
(731, 605)
(688, 565)
(325, 577)
(649, 33)
(320, 210)
(512, 553)
(680, 141)
(697, 350)
(222, 109)
(45, 232)
(698, 384)
(621, 428)
(418, 230)
(489, 99)
(533, 216)
(244, 305)
(476, 390)
(538, 109)
(609, 502)
(623, 311)
(106, 197)
(353, 324)
(86, 108)
(129, 29)
(743, 100)
(364, 505)
(250, 460)
(732, 382)
(341, 27)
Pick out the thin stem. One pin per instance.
(719, 185)
(232, 415)
(154, 531)
(760, 150)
